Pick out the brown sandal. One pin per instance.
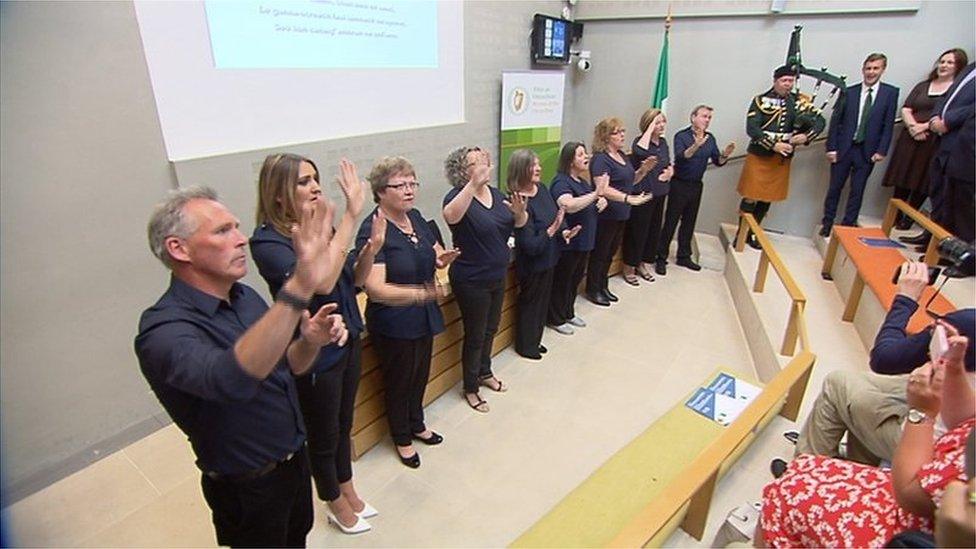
(499, 388)
(479, 405)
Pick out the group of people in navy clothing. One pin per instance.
(251, 384)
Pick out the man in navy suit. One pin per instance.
(951, 188)
(858, 138)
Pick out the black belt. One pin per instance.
(250, 475)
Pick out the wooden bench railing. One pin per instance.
(696, 484)
(796, 328)
(938, 233)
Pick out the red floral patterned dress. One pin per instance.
(828, 502)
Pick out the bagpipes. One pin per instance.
(806, 104)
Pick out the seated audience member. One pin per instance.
(955, 519)
(221, 363)
(827, 502)
(582, 203)
(481, 222)
(402, 314)
(327, 392)
(609, 159)
(536, 250)
(870, 407)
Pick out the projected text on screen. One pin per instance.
(323, 34)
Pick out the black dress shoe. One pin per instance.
(661, 267)
(920, 238)
(598, 299)
(433, 440)
(688, 263)
(610, 296)
(825, 231)
(530, 356)
(904, 224)
(543, 350)
(753, 242)
(412, 462)
(777, 467)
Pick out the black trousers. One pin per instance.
(480, 303)
(960, 194)
(608, 235)
(274, 510)
(327, 402)
(757, 208)
(565, 283)
(533, 306)
(643, 231)
(683, 203)
(915, 198)
(405, 364)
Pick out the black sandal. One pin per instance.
(500, 388)
(631, 279)
(480, 405)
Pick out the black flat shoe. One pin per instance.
(825, 231)
(688, 263)
(433, 440)
(613, 298)
(412, 462)
(543, 350)
(530, 356)
(598, 299)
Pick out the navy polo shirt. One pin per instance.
(586, 218)
(535, 251)
(482, 236)
(621, 178)
(693, 169)
(235, 422)
(275, 257)
(650, 183)
(406, 263)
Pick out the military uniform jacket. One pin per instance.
(773, 119)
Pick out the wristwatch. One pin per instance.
(292, 300)
(917, 416)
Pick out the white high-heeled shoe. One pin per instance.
(368, 511)
(358, 528)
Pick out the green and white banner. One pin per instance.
(532, 118)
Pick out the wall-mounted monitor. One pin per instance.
(551, 39)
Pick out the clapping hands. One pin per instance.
(352, 187)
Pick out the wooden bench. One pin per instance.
(667, 475)
(875, 268)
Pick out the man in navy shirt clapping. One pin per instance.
(221, 363)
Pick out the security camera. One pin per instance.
(584, 64)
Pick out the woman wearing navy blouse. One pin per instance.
(582, 203)
(608, 159)
(481, 222)
(536, 250)
(402, 314)
(644, 226)
(328, 392)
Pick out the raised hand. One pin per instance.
(913, 279)
(925, 388)
(352, 187)
(446, 257)
(569, 234)
(311, 240)
(648, 163)
(323, 328)
(517, 204)
(556, 223)
(600, 183)
(377, 233)
(666, 174)
(700, 138)
(727, 151)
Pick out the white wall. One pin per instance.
(724, 62)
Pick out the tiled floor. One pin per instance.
(496, 474)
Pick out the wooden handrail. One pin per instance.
(938, 233)
(697, 481)
(796, 326)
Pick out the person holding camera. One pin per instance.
(871, 407)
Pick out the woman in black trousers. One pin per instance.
(609, 160)
(481, 221)
(582, 202)
(402, 313)
(644, 226)
(328, 392)
(536, 250)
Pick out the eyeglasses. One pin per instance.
(619, 131)
(405, 185)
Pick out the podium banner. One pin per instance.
(532, 118)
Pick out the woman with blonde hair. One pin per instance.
(327, 392)
(644, 226)
(609, 161)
